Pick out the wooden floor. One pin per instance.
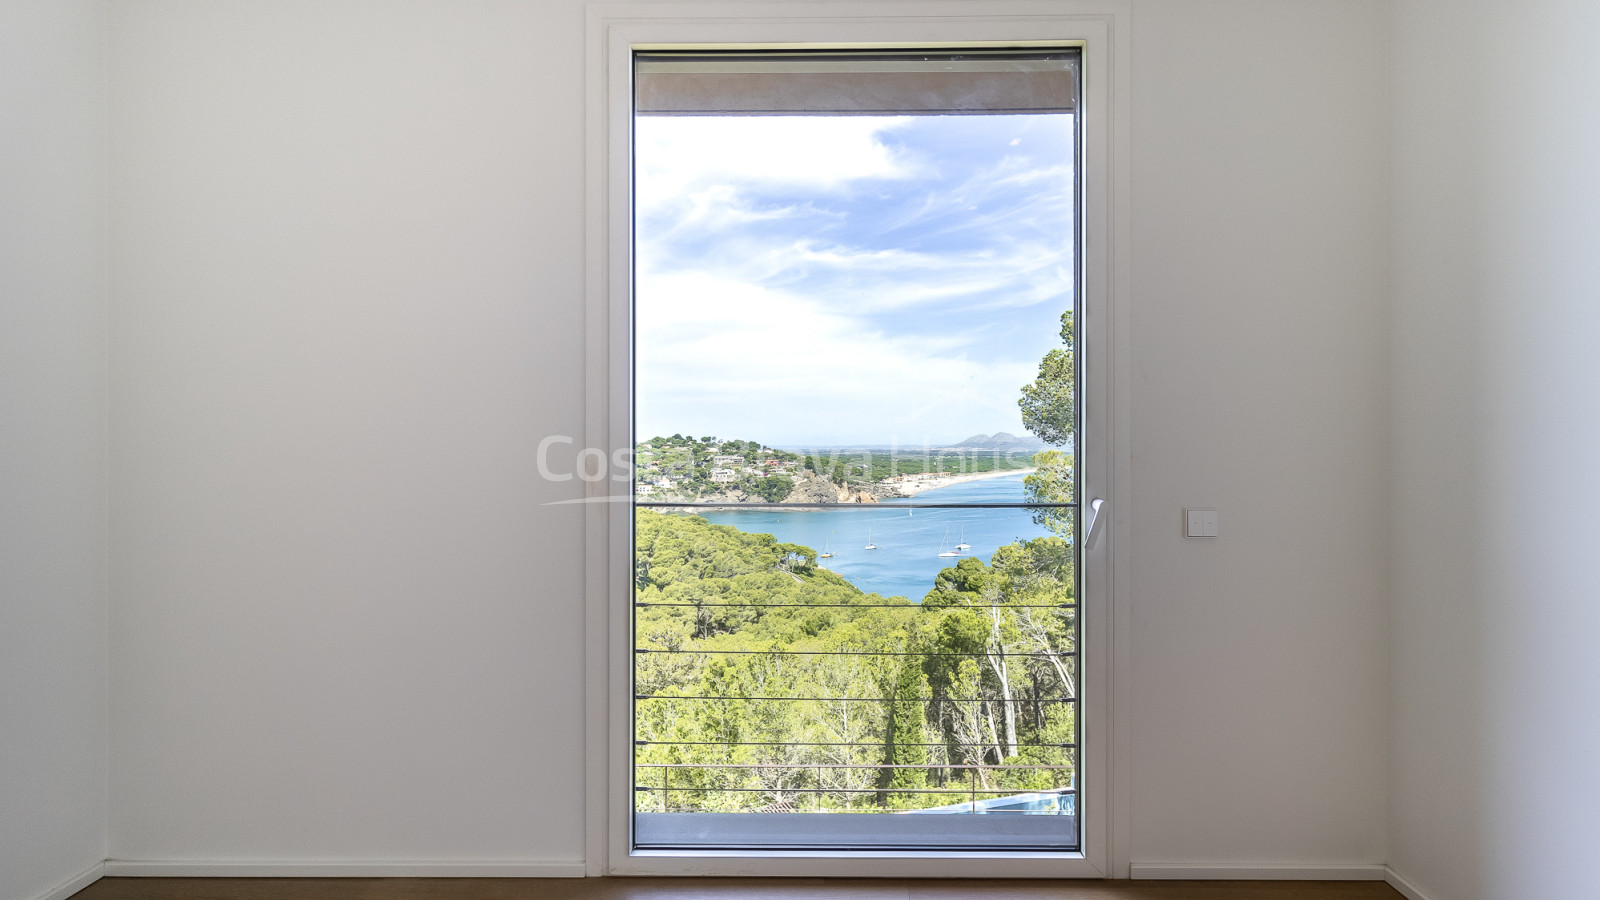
(717, 889)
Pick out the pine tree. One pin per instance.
(905, 740)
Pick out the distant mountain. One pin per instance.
(1000, 440)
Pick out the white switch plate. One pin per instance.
(1201, 522)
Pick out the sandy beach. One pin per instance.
(913, 488)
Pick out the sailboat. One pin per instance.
(942, 550)
(826, 553)
(870, 544)
(963, 545)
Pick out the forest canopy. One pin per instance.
(767, 683)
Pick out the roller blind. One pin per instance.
(880, 83)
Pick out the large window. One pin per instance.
(856, 568)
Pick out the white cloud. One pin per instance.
(720, 356)
(817, 324)
(680, 156)
(876, 281)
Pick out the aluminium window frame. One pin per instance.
(1100, 28)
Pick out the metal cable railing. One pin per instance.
(907, 654)
(860, 699)
(703, 504)
(811, 724)
(913, 607)
(878, 744)
(978, 798)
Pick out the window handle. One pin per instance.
(1096, 517)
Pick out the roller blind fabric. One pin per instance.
(913, 83)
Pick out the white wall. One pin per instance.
(52, 445)
(347, 303)
(1260, 227)
(1496, 383)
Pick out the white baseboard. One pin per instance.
(74, 884)
(1405, 887)
(575, 869)
(1255, 871)
(267, 868)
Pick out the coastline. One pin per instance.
(875, 493)
(911, 489)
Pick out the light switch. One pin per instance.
(1201, 523)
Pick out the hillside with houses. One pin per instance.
(686, 469)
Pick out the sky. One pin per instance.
(811, 281)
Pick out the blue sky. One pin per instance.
(807, 281)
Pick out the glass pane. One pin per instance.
(767, 681)
(855, 618)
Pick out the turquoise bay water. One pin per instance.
(908, 540)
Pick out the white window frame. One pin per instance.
(614, 31)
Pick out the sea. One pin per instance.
(908, 540)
